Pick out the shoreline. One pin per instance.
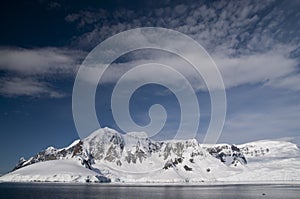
(166, 184)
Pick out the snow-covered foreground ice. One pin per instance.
(54, 171)
(108, 156)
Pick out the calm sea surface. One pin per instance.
(68, 191)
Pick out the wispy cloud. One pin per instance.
(39, 61)
(250, 41)
(236, 27)
(273, 68)
(264, 68)
(14, 87)
(84, 18)
(27, 70)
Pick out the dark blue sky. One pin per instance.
(255, 44)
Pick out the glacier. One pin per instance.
(107, 156)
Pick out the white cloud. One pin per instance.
(237, 27)
(39, 61)
(243, 37)
(239, 35)
(262, 68)
(28, 70)
(13, 87)
(267, 68)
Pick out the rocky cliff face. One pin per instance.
(228, 154)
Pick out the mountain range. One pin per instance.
(109, 156)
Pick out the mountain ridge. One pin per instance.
(104, 142)
(133, 157)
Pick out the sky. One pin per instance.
(255, 44)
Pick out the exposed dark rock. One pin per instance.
(187, 168)
(228, 154)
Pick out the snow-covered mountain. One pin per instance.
(108, 156)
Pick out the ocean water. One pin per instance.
(68, 191)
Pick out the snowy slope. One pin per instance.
(54, 171)
(107, 155)
(269, 161)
